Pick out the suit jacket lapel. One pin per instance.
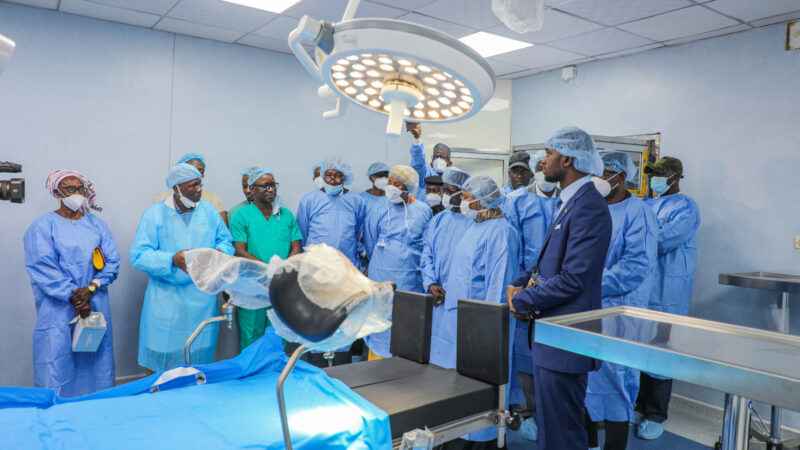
(560, 218)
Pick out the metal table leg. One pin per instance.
(735, 423)
(775, 413)
(287, 439)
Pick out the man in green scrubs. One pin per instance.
(261, 230)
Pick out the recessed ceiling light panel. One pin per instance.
(406, 68)
(6, 49)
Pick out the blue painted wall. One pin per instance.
(121, 104)
(729, 108)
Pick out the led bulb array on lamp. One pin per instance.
(361, 78)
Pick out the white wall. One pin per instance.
(729, 108)
(121, 104)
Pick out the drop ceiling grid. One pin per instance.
(587, 29)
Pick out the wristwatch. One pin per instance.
(91, 287)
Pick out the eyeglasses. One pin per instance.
(339, 178)
(266, 186)
(73, 189)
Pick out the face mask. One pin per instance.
(333, 190)
(433, 199)
(446, 202)
(470, 213)
(439, 165)
(394, 194)
(319, 182)
(189, 204)
(659, 185)
(74, 202)
(602, 186)
(544, 185)
(380, 183)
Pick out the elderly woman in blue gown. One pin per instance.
(71, 258)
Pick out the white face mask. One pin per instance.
(74, 202)
(544, 185)
(380, 183)
(602, 186)
(471, 213)
(433, 199)
(189, 204)
(394, 194)
(439, 164)
(446, 198)
(319, 182)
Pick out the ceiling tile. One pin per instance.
(265, 42)
(678, 24)
(556, 25)
(221, 14)
(159, 7)
(524, 73)
(472, 13)
(457, 31)
(49, 4)
(600, 42)
(750, 10)
(197, 30)
(537, 56)
(104, 12)
(409, 5)
(613, 12)
(777, 19)
(332, 10)
(278, 28)
(720, 32)
(501, 68)
(630, 51)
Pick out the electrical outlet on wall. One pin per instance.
(797, 242)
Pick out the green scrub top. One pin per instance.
(265, 238)
(236, 208)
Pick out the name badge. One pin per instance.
(382, 242)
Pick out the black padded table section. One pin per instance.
(416, 395)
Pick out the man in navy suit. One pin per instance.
(566, 279)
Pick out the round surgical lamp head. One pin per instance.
(396, 68)
(6, 49)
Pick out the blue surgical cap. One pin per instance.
(485, 190)
(191, 156)
(257, 173)
(181, 173)
(377, 167)
(313, 169)
(535, 158)
(338, 164)
(246, 171)
(577, 144)
(455, 176)
(442, 147)
(619, 162)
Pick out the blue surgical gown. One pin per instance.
(173, 306)
(530, 215)
(58, 257)
(439, 242)
(627, 281)
(372, 202)
(396, 254)
(424, 170)
(336, 220)
(484, 262)
(678, 220)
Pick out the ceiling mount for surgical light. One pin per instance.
(392, 67)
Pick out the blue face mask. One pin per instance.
(333, 190)
(659, 185)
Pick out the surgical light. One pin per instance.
(407, 67)
(6, 50)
